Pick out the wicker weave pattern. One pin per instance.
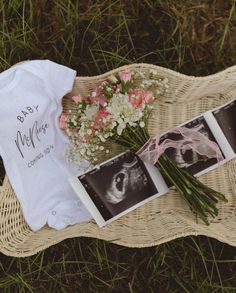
(160, 220)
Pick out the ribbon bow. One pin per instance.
(191, 139)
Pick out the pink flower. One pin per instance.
(101, 114)
(89, 100)
(102, 99)
(77, 99)
(118, 88)
(148, 97)
(97, 97)
(138, 96)
(125, 75)
(63, 121)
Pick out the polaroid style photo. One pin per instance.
(117, 186)
(190, 160)
(226, 118)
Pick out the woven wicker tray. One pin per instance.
(162, 219)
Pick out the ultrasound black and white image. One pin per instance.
(189, 159)
(226, 118)
(118, 185)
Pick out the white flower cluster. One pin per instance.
(90, 150)
(97, 122)
(151, 80)
(123, 112)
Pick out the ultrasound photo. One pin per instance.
(2, 172)
(226, 118)
(189, 159)
(118, 184)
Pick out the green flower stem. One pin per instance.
(201, 199)
(127, 141)
(136, 133)
(210, 190)
(178, 181)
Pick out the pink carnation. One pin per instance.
(125, 75)
(63, 121)
(118, 88)
(138, 96)
(77, 99)
(103, 113)
(102, 99)
(97, 97)
(148, 97)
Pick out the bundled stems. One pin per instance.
(201, 199)
(118, 110)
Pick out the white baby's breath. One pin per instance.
(90, 112)
(141, 124)
(96, 123)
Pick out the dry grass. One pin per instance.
(194, 37)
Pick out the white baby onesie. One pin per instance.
(33, 146)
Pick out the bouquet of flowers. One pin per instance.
(118, 110)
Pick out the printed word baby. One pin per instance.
(28, 110)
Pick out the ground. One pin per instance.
(193, 37)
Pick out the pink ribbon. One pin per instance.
(191, 139)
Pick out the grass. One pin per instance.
(191, 264)
(193, 37)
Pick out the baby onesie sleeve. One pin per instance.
(57, 77)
